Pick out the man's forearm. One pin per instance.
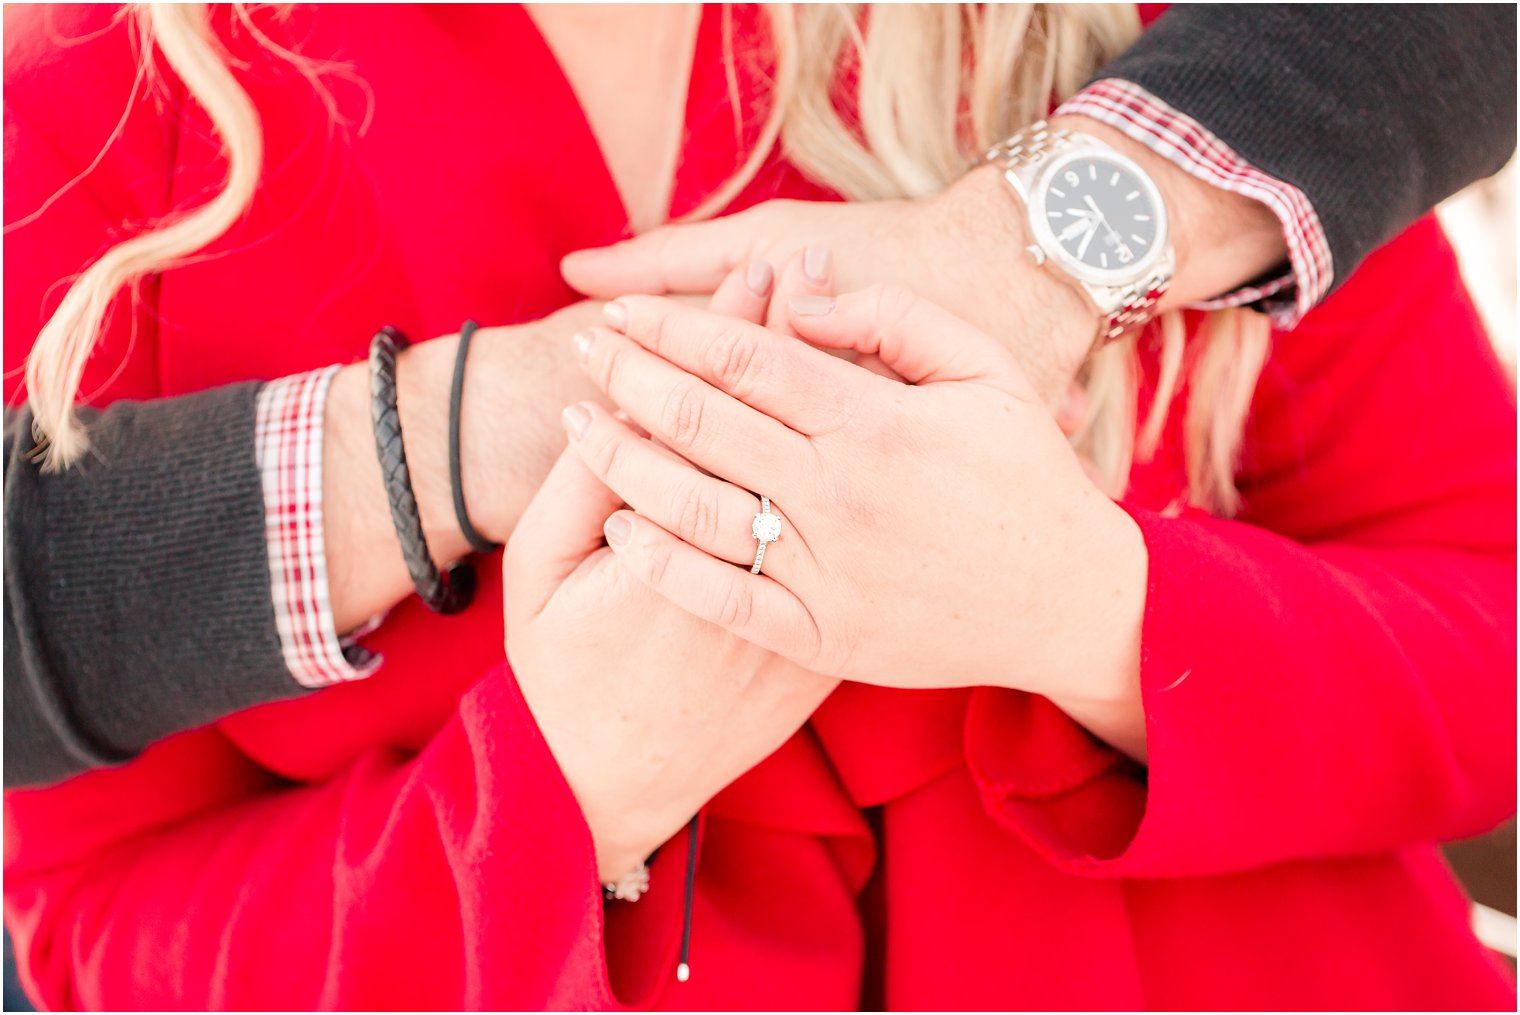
(517, 382)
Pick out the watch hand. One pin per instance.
(1086, 240)
(1085, 224)
(1118, 240)
(1101, 217)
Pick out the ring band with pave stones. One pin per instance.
(766, 529)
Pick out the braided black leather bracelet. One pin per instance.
(440, 596)
(479, 543)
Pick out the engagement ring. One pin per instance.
(766, 529)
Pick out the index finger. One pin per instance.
(686, 257)
(800, 386)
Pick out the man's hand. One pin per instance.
(963, 248)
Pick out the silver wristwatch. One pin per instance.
(1095, 215)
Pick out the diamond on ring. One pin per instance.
(766, 528)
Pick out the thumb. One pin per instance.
(687, 258)
(561, 527)
(920, 341)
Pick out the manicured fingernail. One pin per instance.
(577, 419)
(759, 277)
(583, 341)
(618, 530)
(809, 305)
(616, 314)
(815, 264)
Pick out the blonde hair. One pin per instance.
(979, 72)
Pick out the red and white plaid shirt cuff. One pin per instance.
(1181, 140)
(288, 442)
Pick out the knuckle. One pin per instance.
(733, 359)
(658, 334)
(738, 606)
(695, 514)
(656, 243)
(657, 564)
(659, 249)
(611, 366)
(681, 417)
(892, 303)
(608, 456)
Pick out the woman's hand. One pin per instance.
(935, 533)
(962, 248)
(648, 710)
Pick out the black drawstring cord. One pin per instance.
(683, 968)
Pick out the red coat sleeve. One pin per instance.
(462, 877)
(1334, 673)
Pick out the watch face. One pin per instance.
(1101, 213)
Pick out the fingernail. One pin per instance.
(759, 277)
(617, 530)
(577, 419)
(583, 341)
(815, 263)
(809, 305)
(616, 315)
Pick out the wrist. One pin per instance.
(1222, 240)
(517, 382)
(1046, 316)
(1097, 682)
(365, 568)
(1094, 593)
(620, 847)
(424, 374)
(613, 862)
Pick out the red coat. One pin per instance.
(1329, 681)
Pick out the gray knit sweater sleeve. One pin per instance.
(1377, 112)
(137, 586)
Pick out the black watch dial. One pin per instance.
(1101, 214)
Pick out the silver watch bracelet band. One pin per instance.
(1031, 145)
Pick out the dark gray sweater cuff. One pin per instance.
(1376, 112)
(137, 585)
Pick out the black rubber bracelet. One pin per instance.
(479, 543)
(440, 596)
